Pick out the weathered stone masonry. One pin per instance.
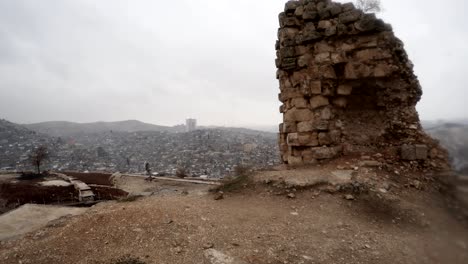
(347, 86)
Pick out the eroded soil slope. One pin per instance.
(255, 226)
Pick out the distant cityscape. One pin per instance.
(209, 152)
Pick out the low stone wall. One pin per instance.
(347, 86)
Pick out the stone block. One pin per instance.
(338, 58)
(293, 139)
(327, 72)
(310, 15)
(318, 101)
(371, 24)
(288, 94)
(383, 70)
(298, 115)
(289, 127)
(291, 6)
(288, 64)
(324, 24)
(335, 9)
(335, 136)
(326, 113)
(321, 125)
(348, 7)
(324, 138)
(330, 31)
(323, 46)
(325, 152)
(307, 138)
(340, 102)
(291, 22)
(355, 71)
(306, 126)
(421, 152)
(301, 50)
(308, 37)
(315, 87)
(349, 16)
(299, 102)
(323, 57)
(368, 54)
(304, 60)
(408, 152)
(287, 33)
(295, 161)
(309, 159)
(287, 52)
(344, 89)
(309, 27)
(299, 11)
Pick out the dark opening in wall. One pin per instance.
(364, 121)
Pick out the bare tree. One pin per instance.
(38, 156)
(369, 5)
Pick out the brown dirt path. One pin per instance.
(255, 226)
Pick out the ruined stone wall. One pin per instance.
(347, 86)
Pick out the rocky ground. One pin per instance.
(269, 220)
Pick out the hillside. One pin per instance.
(71, 129)
(454, 137)
(16, 141)
(211, 152)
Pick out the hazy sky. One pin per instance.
(163, 61)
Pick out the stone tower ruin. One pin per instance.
(347, 87)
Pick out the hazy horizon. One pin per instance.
(250, 126)
(85, 60)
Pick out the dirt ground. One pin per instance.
(256, 225)
(31, 217)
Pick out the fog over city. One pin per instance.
(161, 62)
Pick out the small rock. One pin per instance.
(219, 196)
(349, 197)
(184, 192)
(416, 184)
(208, 245)
(382, 190)
(462, 244)
(294, 213)
(291, 195)
(371, 163)
(168, 221)
(386, 186)
(178, 250)
(367, 246)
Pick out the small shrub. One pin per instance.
(130, 198)
(241, 170)
(29, 176)
(182, 173)
(241, 179)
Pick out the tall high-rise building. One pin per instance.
(190, 124)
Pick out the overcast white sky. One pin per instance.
(162, 61)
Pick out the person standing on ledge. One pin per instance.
(148, 171)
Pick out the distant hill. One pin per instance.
(454, 137)
(16, 141)
(71, 129)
